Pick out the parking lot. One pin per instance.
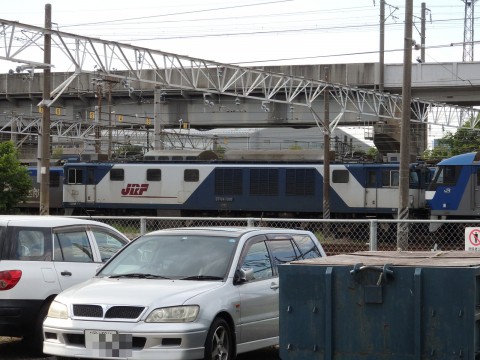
(13, 349)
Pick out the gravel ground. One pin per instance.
(14, 349)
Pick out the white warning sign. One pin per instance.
(472, 239)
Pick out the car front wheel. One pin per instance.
(219, 343)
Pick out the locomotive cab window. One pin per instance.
(414, 180)
(390, 178)
(154, 175)
(447, 175)
(191, 175)
(117, 175)
(75, 176)
(340, 176)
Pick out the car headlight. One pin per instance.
(58, 310)
(174, 314)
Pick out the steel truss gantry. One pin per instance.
(22, 127)
(172, 71)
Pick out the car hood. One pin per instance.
(144, 292)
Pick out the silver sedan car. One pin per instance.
(190, 293)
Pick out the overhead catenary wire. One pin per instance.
(363, 19)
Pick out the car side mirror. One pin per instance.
(243, 275)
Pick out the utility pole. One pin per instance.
(44, 142)
(423, 33)
(326, 149)
(402, 227)
(109, 120)
(381, 78)
(423, 127)
(326, 155)
(381, 61)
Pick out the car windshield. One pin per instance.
(186, 257)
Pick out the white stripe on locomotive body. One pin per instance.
(134, 190)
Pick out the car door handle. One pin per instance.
(66, 273)
(274, 286)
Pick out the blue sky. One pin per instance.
(256, 31)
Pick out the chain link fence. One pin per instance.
(337, 236)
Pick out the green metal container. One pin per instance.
(381, 305)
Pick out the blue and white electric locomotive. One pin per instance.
(269, 189)
(455, 189)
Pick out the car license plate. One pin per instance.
(106, 343)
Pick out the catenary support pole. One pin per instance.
(402, 227)
(45, 128)
(326, 150)
(381, 78)
(423, 32)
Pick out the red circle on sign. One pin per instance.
(474, 237)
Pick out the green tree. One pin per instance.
(57, 153)
(464, 140)
(129, 148)
(295, 147)
(372, 151)
(15, 182)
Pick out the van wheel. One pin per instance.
(219, 344)
(35, 339)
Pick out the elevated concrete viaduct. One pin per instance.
(85, 102)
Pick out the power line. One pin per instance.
(195, 34)
(183, 13)
(342, 54)
(134, 21)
